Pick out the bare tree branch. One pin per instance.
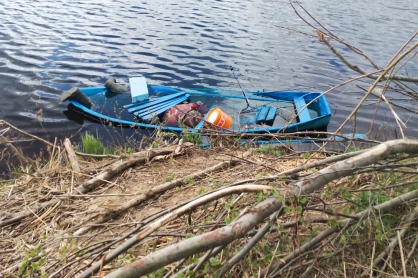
(346, 167)
(369, 212)
(169, 217)
(191, 246)
(359, 70)
(247, 248)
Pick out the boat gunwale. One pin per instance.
(264, 96)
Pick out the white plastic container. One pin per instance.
(139, 88)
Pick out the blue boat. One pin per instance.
(249, 112)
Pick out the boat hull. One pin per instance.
(108, 109)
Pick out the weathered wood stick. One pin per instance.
(71, 156)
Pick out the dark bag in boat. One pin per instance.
(184, 114)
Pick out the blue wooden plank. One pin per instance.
(302, 110)
(152, 110)
(271, 115)
(156, 112)
(148, 113)
(158, 106)
(262, 114)
(155, 101)
(136, 104)
(151, 102)
(165, 97)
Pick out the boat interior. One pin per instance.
(245, 112)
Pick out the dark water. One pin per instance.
(49, 46)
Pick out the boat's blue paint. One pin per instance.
(270, 116)
(315, 123)
(148, 113)
(151, 102)
(300, 107)
(262, 114)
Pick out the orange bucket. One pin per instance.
(219, 118)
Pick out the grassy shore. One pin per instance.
(58, 222)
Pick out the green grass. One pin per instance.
(188, 181)
(93, 144)
(170, 178)
(268, 149)
(191, 137)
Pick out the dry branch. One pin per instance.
(16, 217)
(357, 69)
(348, 166)
(394, 241)
(116, 168)
(2, 122)
(322, 38)
(373, 86)
(342, 224)
(120, 165)
(169, 217)
(302, 167)
(247, 248)
(153, 191)
(204, 242)
(71, 156)
(15, 152)
(97, 155)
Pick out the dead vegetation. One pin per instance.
(183, 211)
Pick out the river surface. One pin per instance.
(50, 46)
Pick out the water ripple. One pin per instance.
(50, 46)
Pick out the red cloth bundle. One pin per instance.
(189, 114)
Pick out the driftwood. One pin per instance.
(71, 156)
(219, 237)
